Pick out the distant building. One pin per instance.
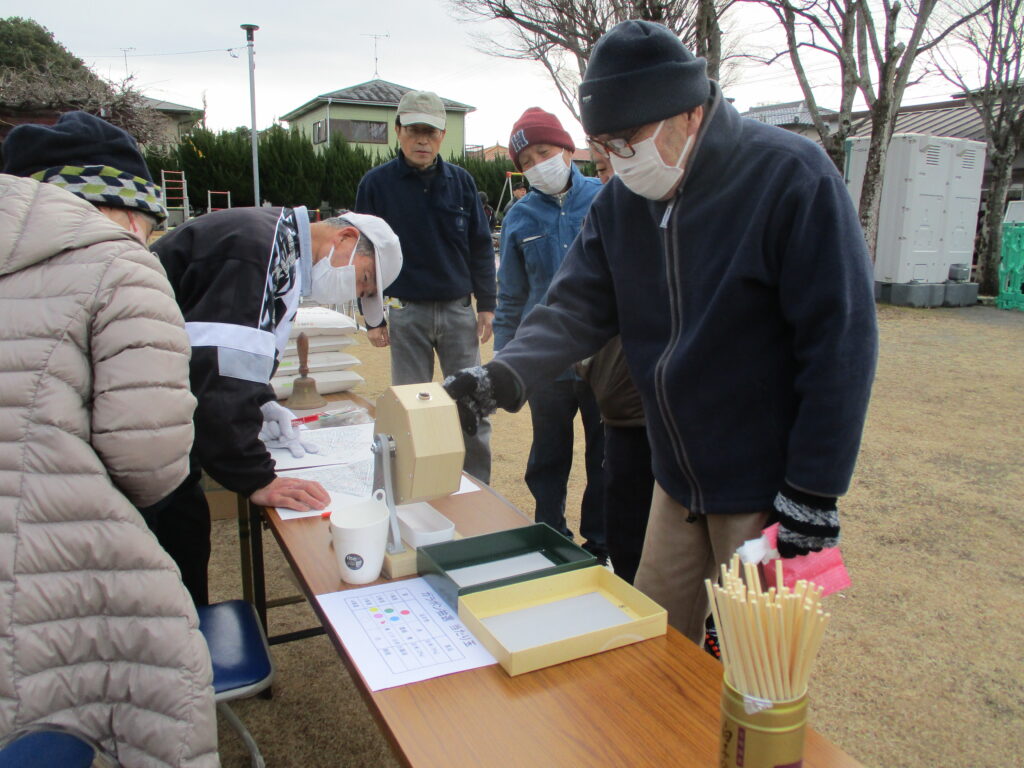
(176, 119)
(364, 116)
(497, 151)
(793, 116)
(955, 118)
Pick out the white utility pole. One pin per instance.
(250, 30)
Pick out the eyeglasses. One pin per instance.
(418, 129)
(619, 146)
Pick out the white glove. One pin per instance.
(278, 431)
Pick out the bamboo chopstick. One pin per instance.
(769, 640)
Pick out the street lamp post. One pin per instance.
(250, 30)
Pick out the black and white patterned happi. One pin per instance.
(281, 272)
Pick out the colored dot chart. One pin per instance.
(402, 633)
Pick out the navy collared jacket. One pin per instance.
(747, 315)
(447, 250)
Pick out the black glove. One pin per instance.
(480, 391)
(807, 523)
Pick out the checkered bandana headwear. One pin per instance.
(103, 185)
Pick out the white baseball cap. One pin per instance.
(388, 258)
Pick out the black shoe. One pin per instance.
(599, 552)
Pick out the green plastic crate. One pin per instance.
(1011, 268)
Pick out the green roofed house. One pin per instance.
(364, 115)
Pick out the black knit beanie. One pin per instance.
(88, 157)
(639, 73)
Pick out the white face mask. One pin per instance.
(549, 176)
(645, 173)
(331, 284)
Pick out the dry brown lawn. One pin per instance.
(923, 666)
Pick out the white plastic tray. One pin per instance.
(421, 524)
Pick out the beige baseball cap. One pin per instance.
(423, 107)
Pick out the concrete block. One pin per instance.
(917, 294)
(960, 295)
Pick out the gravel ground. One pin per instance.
(923, 665)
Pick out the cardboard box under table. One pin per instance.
(456, 568)
(545, 621)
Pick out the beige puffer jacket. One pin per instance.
(97, 631)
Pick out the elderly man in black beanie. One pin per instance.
(100, 636)
(729, 257)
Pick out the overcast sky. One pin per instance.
(179, 52)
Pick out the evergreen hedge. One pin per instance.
(292, 172)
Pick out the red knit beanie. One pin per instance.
(537, 127)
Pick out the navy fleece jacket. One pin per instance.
(746, 309)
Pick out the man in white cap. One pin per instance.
(449, 259)
(238, 275)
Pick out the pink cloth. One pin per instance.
(825, 568)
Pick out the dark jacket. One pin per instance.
(609, 379)
(234, 274)
(446, 242)
(747, 316)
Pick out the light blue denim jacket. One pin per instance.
(535, 236)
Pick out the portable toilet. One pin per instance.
(928, 214)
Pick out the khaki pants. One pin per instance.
(678, 556)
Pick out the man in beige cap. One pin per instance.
(434, 209)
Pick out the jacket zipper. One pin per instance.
(661, 385)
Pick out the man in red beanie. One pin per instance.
(535, 236)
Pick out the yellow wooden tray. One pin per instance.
(545, 621)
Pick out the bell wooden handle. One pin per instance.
(302, 345)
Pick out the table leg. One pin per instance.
(243, 546)
(259, 583)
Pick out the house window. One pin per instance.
(361, 131)
(319, 131)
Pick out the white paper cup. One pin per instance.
(360, 534)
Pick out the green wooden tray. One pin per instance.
(476, 563)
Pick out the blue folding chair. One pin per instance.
(241, 660)
(45, 746)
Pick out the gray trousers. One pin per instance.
(678, 556)
(419, 329)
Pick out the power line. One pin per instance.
(174, 53)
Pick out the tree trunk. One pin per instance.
(990, 244)
(874, 174)
(835, 146)
(708, 35)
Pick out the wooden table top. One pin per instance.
(654, 703)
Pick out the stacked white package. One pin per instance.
(330, 333)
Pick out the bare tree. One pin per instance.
(60, 90)
(995, 42)
(827, 27)
(560, 34)
(876, 44)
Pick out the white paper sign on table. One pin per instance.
(402, 633)
(338, 445)
(344, 483)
